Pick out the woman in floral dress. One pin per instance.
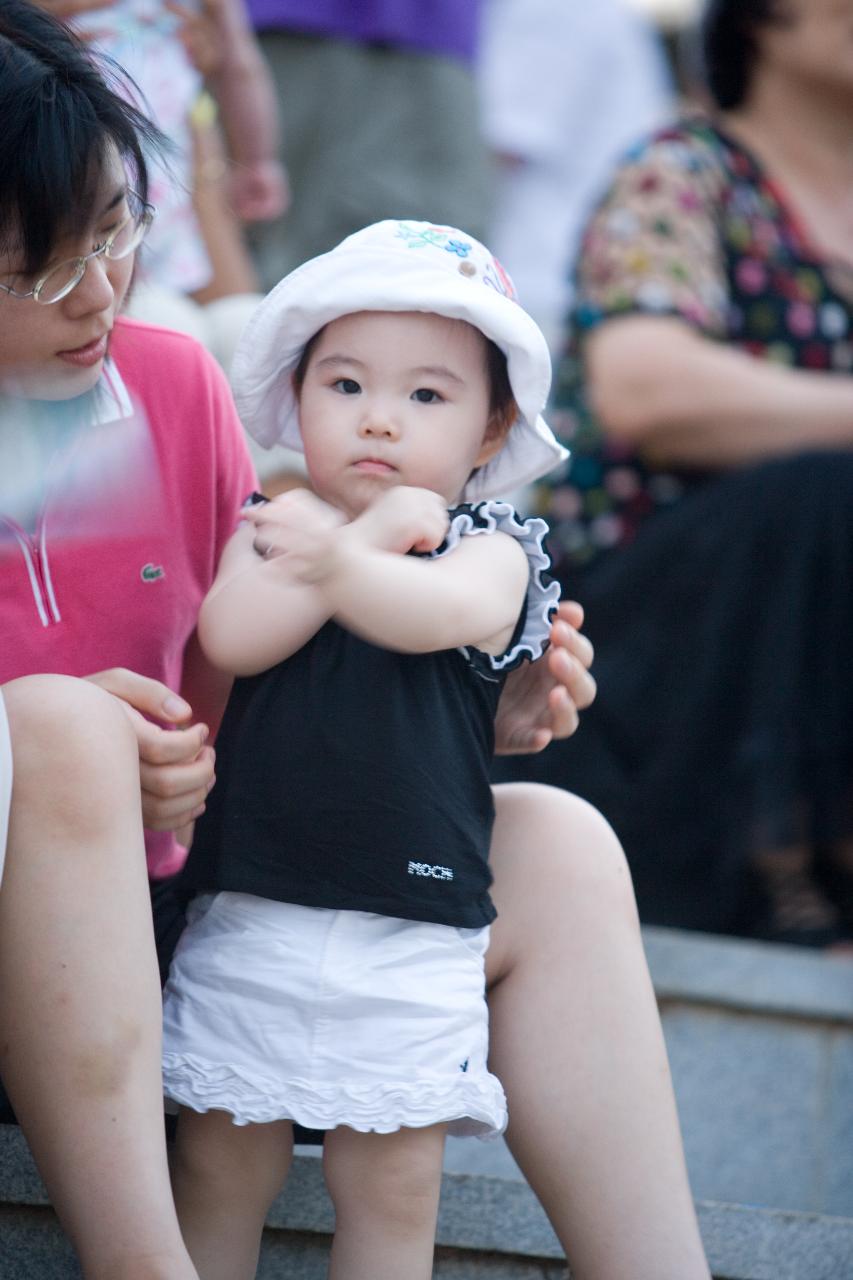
(706, 522)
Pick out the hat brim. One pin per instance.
(373, 278)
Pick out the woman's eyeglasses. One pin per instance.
(58, 282)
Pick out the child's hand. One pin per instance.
(302, 533)
(290, 521)
(404, 519)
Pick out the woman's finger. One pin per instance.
(144, 693)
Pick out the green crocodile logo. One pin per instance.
(151, 572)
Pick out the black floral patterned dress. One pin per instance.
(720, 604)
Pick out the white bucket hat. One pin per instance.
(399, 266)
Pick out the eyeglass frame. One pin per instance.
(143, 218)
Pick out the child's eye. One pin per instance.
(425, 395)
(347, 386)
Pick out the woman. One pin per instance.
(706, 523)
(105, 563)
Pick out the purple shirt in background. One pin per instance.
(435, 26)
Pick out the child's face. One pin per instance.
(396, 398)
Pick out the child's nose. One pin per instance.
(378, 423)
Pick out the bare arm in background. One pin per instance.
(682, 399)
(221, 44)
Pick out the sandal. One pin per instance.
(794, 909)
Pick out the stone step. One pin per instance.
(489, 1229)
(760, 1039)
(761, 1044)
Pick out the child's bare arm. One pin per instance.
(256, 613)
(471, 596)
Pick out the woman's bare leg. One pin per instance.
(577, 1043)
(385, 1189)
(80, 1006)
(226, 1177)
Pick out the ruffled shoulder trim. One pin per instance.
(530, 638)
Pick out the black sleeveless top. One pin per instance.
(350, 776)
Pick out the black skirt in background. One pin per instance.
(724, 658)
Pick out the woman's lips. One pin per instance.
(88, 355)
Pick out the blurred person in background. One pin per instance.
(196, 69)
(707, 519)
(565, 86)
(381, 119)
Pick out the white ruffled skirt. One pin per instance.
(276, 1011)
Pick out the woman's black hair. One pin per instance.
(730, 47)
(59, 122)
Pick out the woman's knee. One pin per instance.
(558, 869)
(543, 831)
(54, 709)
(70, 727)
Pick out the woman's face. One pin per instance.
(57, 352)
(811, 43)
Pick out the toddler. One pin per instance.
(332, 970)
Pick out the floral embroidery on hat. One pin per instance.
(497, 278)
(421, 237)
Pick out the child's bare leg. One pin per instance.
(80, 1011)
(577, 1044)
(385, 1188)
(226, 1176)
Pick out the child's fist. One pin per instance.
(404, 519)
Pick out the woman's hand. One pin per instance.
(541, 700)
(176, 768)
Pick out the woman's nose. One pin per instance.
(95, 291)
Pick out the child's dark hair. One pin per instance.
(503, 410)
(729, 47)
(59, 120)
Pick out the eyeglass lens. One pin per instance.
(65, 275)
